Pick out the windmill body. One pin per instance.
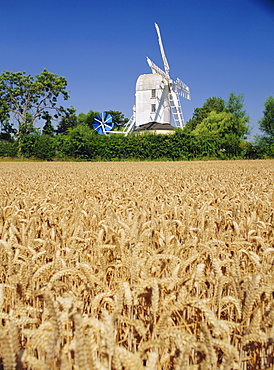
(152, 102)
(158, 95)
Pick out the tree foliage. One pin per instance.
(267, 122)
(219, 124)
(69, 120)
(48, 128)
(235, 105)
(211, 104)
(44, 147)
(6, 128)
(87, 118)
(79, 142)
(25, 98)
(118, 119)
(217, 116)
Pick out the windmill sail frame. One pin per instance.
(165, 102)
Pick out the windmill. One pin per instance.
(158, 95)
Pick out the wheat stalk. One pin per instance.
(139, 265)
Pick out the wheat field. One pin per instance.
(164, 265)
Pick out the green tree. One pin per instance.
(79, 141)
(118, 119)
(48, 128)
(28, 127)
(8, 149)
(235, 106)
(215, 104)
(6, 129)
(224, 129)
(69, 120)
(211, 104)
(267, 122)
(44, 147)
(264, 146)
(87, 119)
(24, 96)
(214, 124)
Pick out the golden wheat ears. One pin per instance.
(137, 265)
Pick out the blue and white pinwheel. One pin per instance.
(103, 123)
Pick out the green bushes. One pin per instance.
(216, 131)
(45, 147)
(82, 143)
(8, 149)
(265, 146)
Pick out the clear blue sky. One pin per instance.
(100, 47)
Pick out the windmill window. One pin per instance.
(153, 93)
(153, 108)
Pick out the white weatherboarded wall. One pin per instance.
(152, 106)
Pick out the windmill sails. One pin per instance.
(176, 87)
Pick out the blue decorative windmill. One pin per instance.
(103, 123)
